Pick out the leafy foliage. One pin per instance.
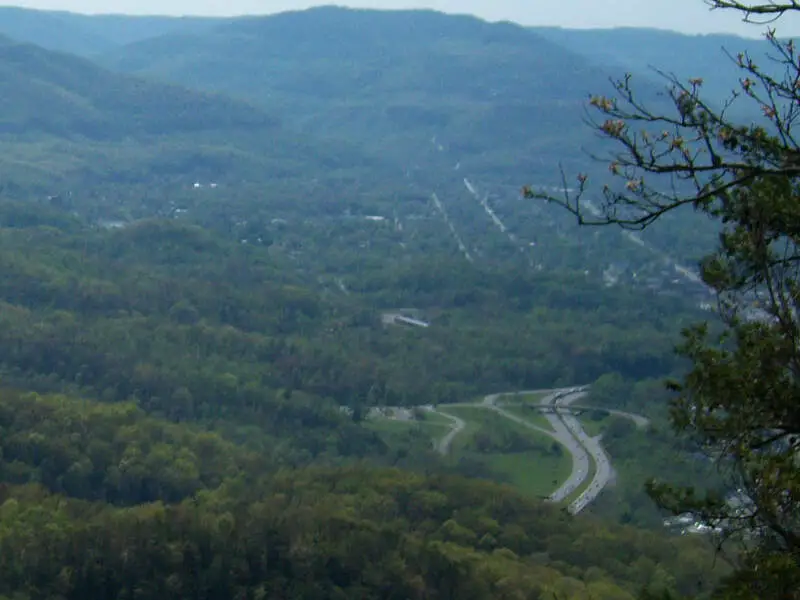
(111, 454)
(158, 306)
(390, 82)
(738, 401)
(215, 281)
(344, 534)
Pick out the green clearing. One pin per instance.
(594, 426)
(530, 472)
(435, 418)
(522, 457)
(528, 413)
(472, 417)
(392, 429)
(534, 398)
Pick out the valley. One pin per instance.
(266, 277)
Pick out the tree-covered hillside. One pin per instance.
(51, 93)
(105, 502)
(392, 81)
(438, 97)
(409, 104)
(648, 51)
(193, 327)
(162, 309)
(210, 248)
(89, 35)
(70, 125)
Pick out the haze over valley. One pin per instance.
(274, 302)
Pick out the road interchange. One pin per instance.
(586, 452)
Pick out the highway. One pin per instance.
(603, 471)
(638, 420)
(565, 429)
(561, 434)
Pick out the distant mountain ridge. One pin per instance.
(53, 93)
(88, 35)
(615, 49)
(418, 100)
(64, 117)
(644, 51)
(392, 82)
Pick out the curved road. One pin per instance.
(566, 430)
(603, 471)
(443, 447)
(638, 420)
(560, 433)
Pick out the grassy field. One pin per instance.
(530, 473)
(522, 398)
(514, 454)
(595, 427)
(472, 417)
(433, 426)
(537, 471)
(524, 412)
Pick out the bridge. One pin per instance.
(573, 409)
(570, 410)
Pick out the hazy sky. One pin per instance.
(691, 16)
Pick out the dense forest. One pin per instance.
(192, 327)
(207, 227)
(104, 502)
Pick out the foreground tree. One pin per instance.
(741, 399)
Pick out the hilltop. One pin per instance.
(66, 121)
(369, 112)
(497, 98)
(439, 98)
(88, 35)
(645, 51)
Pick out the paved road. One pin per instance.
(639, 420)
(559, 432)
(580, 457)
(443, 446)
(603, 472)
(566, 430)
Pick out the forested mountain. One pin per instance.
(88, 35)
(439, 97)
(498, 99)
(164, 305)
(372, 88)
(127, 506)
(114, 147)
(388, 105)
(193, 327)
(48, 93)
(70, 125)
(646, 51)
(128, 150)
(208, 229)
